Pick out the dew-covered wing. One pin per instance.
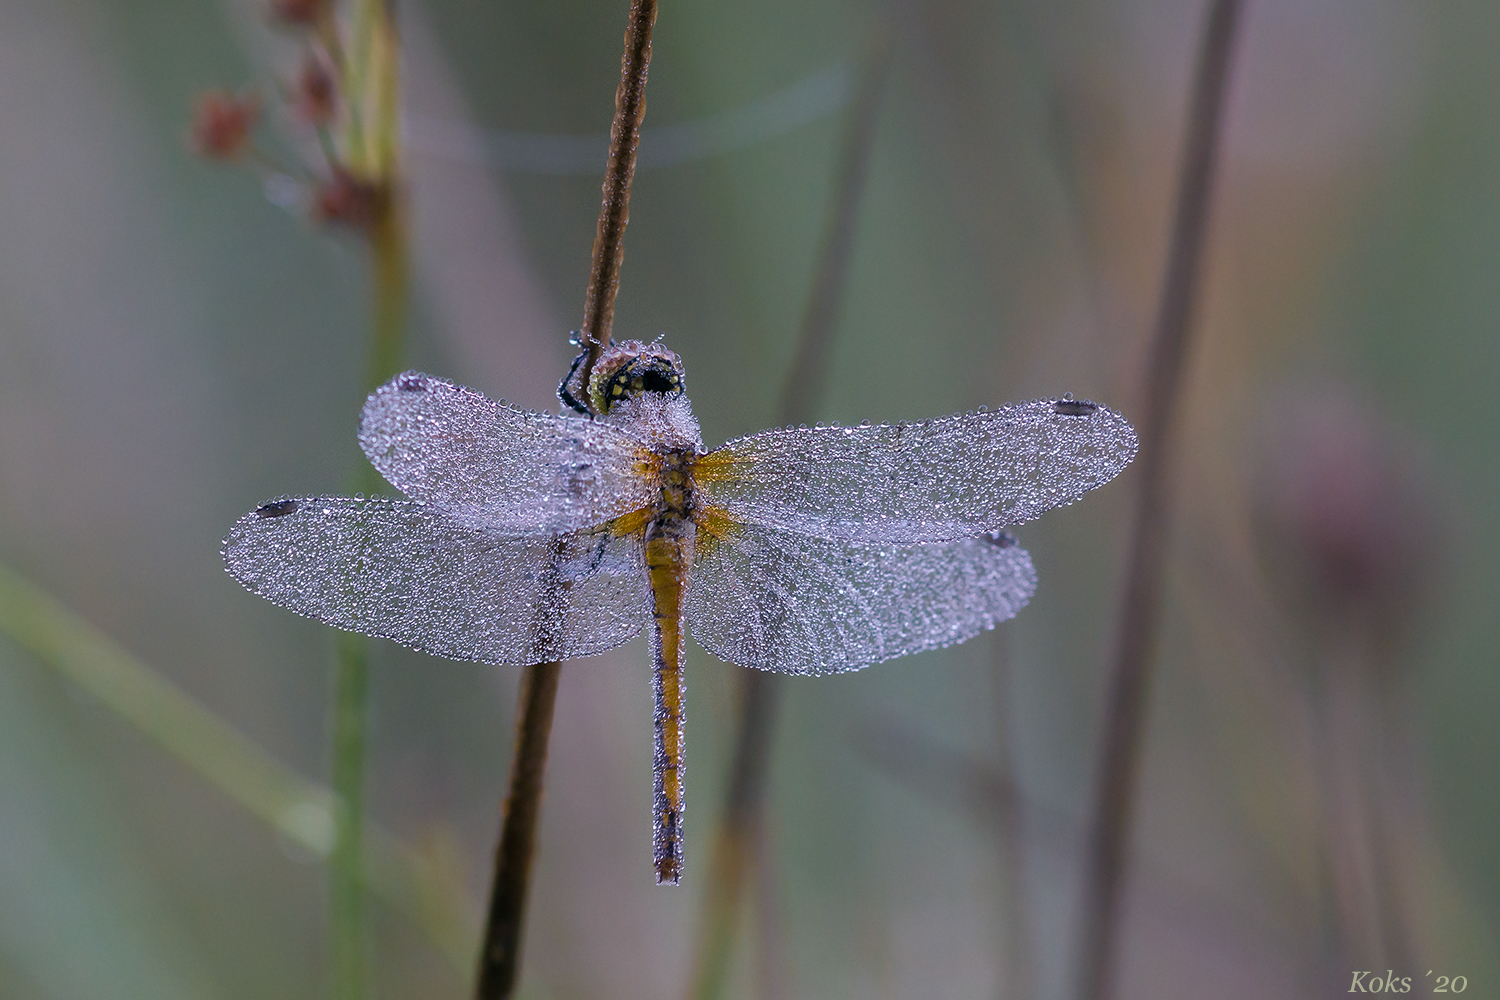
(528, 472)
(774, 599)
(928, 480)
(442, 583)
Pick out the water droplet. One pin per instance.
(412, 382)
(283, 190)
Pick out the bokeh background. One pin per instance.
(175, 349)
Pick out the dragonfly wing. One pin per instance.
(442, 583)
(777, 600)
(528, 472)
(931, 480)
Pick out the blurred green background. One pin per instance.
(175, 349)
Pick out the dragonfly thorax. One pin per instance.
(660, 421)
(676, 476)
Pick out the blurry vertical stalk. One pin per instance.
(1125, 701)
(1371, 799)
(369, 152)
(739, 826)
(500, 951)
(1348, 518)
(1017, 975)
(1351, 762)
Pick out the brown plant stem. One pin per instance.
(614, 213)
(1125, 704)
(500, 953)
(739, 825)
(500, 959)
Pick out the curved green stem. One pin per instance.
(371, 150)
(299, 809)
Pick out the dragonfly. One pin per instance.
(528, 537)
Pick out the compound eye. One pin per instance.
(633, 368)
(657, 379)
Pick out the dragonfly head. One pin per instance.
(631, 368)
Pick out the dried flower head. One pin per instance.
(347, 200)
(222, 123)
(1347, 513)
(315, 94)
(301, 13)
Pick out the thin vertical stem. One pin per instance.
(1125, 705)
(1350, 831)
(809, 371)
(734, 842)
(371, 148)
(500, 953)
(1019, 973)
(347, 925)
(351, 666)
(500, 961)
(389, 268)
(614, 213)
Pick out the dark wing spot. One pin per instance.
(277, 508)
(1074, 407)
(1000, 539)
(412, 382)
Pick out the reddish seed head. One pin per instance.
(316, 93)
(346, 200)
(222, 123)
(1348, 510)
(303, 13)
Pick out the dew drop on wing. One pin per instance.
(277, 508)
(412, 382)
(1074, 407)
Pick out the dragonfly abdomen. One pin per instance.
(668, 556)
